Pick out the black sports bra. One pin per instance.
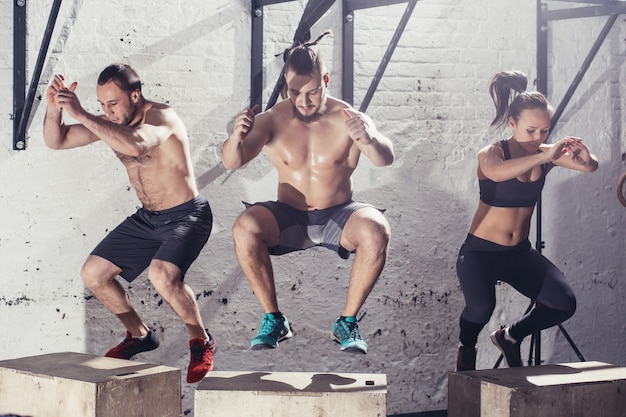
(511, 193)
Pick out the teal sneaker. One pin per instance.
(346, 333)
(271, 332)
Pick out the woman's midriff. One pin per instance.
(505, 226)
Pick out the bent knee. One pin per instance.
(564, 304)
(244, 225)
(164, 276)
(256, 223)
(370, 234)
(97, 272)
(570, 306)
(480, 314)
(378, 238)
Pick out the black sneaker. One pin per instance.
(510, 350)
(130, 346)
(466, 359)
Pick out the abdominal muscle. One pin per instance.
(314, 192)
(507, 226)
(159, 183)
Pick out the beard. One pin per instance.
(129, 117)
(321, 110)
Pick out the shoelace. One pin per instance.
(354, 330)
(270, 326)
(198, 352)
(128, 341)
(350, 329)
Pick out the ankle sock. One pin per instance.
(144, 337)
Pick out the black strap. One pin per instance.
(505, 148)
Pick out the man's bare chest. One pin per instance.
(297, 150)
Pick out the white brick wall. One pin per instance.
(433, 103)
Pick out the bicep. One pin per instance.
(78, 135)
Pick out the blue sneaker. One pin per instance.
(346, 333)
(271, 332)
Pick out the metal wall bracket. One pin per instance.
(19, 71)
(349, 7)
(22, 103)
(544, 16)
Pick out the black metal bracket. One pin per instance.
(19, 70)
(349, 8)
(22, 103)
(347, 65)
(544, 16)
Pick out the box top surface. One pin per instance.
(546, 375)
(89, 368)
(294, 382)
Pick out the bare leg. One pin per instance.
(366, 231)
(254, 231)
(99, 274)
(165, 277)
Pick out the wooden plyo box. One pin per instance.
(291, 394)
(77, 385)
(583, 389)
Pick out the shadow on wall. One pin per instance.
(145, 57)
(12, 415)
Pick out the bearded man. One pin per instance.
(314, 141)
(167, 233)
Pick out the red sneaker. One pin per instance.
(201, 363)
(130, 346)
(510, 350)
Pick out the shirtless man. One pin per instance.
(167, 233)
(314, 141)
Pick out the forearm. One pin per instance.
(232, 154)
(579, 161)
(54, 130)
(379, 150)
(512, 168)
(120, 138)
(589, 165)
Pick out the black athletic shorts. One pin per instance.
(301, 229)
(175, 235)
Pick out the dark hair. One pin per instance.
(508, 91)
(303, 59)
(122, 75)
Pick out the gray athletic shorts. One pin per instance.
(176, 235)
(301, 230)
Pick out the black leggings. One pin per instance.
(482, 263)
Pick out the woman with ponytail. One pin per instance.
(511, 175)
